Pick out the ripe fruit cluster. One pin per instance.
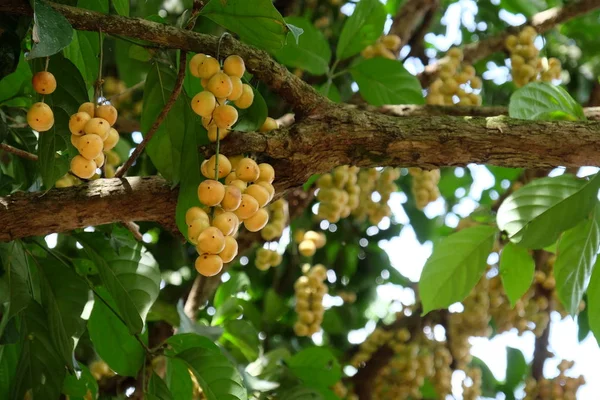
(247, 190)
(221, 86)
(424, 186)
(338, 193)
(372, 181)
(266, 259)
(386, 46)
(472, 385)
(310, 289)
(561, 387)
(526, 64)
(40, 116)
(453, 82)
(92, 134)
(310, 242)
(278, 218)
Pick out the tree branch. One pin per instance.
(18, 152)
(409, 18)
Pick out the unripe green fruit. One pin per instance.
(307, 248)
(90, 146)
(204, 104)
(269, 125)
(83, 167)
(40, 117)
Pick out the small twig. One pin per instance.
(134, 229)
(98, 84)
(18, 152)
(193, 301)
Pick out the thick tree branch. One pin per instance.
(542, 22)
(409, 18)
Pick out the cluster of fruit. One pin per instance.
(309, 242)
(278, 218)
(471, 385)
(424, 186)
(454, 77)
(338, 193)
(310, 289)
(526, 65)
(386, 46)
(112, 160)
(561, 387)
(370, 181)
(92, 134)
(221, 87)
(40, 116)
(230, 204)
(266, 259)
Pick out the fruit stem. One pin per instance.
(98, 85)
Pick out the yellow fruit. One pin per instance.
(246, 98)
(211, 192)
(207, 121)
(232, 198)
(235, 161)
(307, 248)
(260, 194)
(83, 167)
(247, 170)
(248, 207)
(40, 117)
(455, 52)
(207, 67)
(211, 240)
(204, 104)
(236, 88)
(224, 166)
(234, 66)
(220, 85)
(231, 177)
(99, 160)
(205, 171)
(44, 82)
(195, 63)
(213, 131)
(77, 122)
(75, 140)
(89, 108)
(194, 213)
(316, 237)
(258, 221)
(267, 173)
(195, 228)
(209, 264)
(225, 116)
(391, 42)
(226, 222)
(90, 146)
(269, 125)
(97, 126)
(111, 140)
(107, 112)
(239, 184)
(230, 251)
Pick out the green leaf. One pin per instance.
(130, 275)
(516, 270)
(16, 278)
(593, 304)
(230, 309)
(244, 336)
(17, 82)
(52, 165)
(216, 375)
(274, 306)
(179, 380)
(83, 53)
(238, 282)
(488, 380)
(301, 393)
(311, 53)
(382, 81)
(189, 326)
(456, 265)
(256, 22)
(9, 358)
(317, 367)
(252, 118)
(51, 31)
(575, 258)
(121, 7)
(544, 102)
(363, 28)
(70, 90)
(40, 367)
(78, 387)
(158, 388)
(112, 340)
(131, 71)
(330, 91)
(516, 368)
(583, 324)
(64, 295)
(166, 146)
(535, 215)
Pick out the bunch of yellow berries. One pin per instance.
(40, 116)
(279, 215)
(310, 289)
(338, 193)
(385, 47)
(266, 259)
(370, 181)
(424, 186)
(311, 241)
(454, 77)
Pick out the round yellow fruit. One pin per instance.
(204, 104)
(195, 228)
(97, 126)
(194, 213)
(209, 264)
(211, 192)
(269, 188)
(108, 113)
(40, 117)
(269, 125)
(258, 221)
(248, 207)
(208, 67)
(75, 140)
(224, 166)
(83, 167)
(90, 146)
(234, 66)
(89, 108)
(77, 122)
(246, 98)
(307, 248)
(247, 170)
(260, 194)
(44, 82)
(225, 116)
(232, 198)
(239, 184)
(220, 85)
(230, 251)
(211, 240)
(267, 173)
(99, 160)
(226, 222)
(214, 131)
(111, 140)
(195, 62)
(236, 88)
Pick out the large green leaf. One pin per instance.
(516, 369)
(52, 165)
(186, 325)
(64, 294)
(238, 282)
(382, 81)
(16, 83)
(256, 22)
(157, 388)
(166, 146)
(40, 366)
(130, 275)
(317, 367)
(516, 270)
(179, 380)
(121, 7)
(575, 258)
(83, 53)
(217, 376)
(77, 387)
(312, 53)
(9, 358)
(535, 215)
(131, 71)
(112, 340)
(544, 101)
(455, 266)
(363, 28)
(243, 335)
(51, 31)
(15, 281)
(593, 303)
